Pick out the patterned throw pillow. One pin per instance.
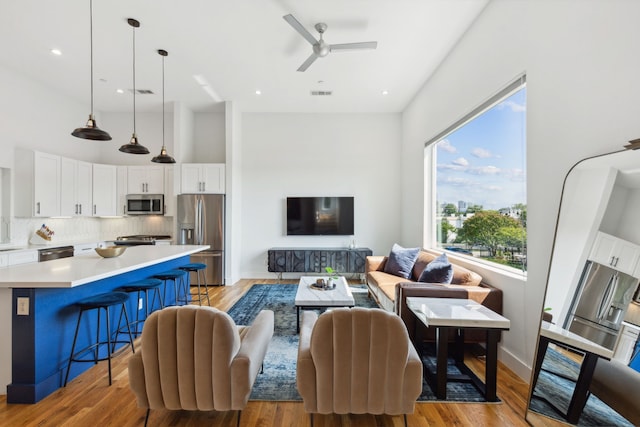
(439, 270)
(401, 260)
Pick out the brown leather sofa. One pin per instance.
(617, 385)
(391, 292)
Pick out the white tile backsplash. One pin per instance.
(87, 229)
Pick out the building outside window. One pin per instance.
(478, 176)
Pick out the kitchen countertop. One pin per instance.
(90, 267)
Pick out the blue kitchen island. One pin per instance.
(43, 313)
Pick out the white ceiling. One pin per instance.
(239, 46)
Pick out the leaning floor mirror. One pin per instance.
(591, 311)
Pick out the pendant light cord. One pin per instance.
(134, 80)
(163, 101)
(91, 48)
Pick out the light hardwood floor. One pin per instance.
(89, 401)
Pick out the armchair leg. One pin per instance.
(146, 419)
(238, 423)
(311, 415)
(405, 420)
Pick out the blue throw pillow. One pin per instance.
(401, 260)
(439, 270)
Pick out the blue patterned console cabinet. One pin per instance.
(314, 260)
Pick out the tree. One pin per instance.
(449, 209)
(445, 230)
(491, 230)
(474, 208)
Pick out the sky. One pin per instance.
(484, 161)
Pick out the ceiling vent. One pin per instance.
(321, 93)
(142, 91)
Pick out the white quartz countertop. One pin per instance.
(89, 267)
(571, 339)
(456, 312)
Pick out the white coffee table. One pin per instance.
(444, 314)
(307, 297)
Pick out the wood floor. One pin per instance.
(89, 401)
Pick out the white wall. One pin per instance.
(315, 155)
(209, 137)
(581, 60)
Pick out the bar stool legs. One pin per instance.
(198, 268)
(142, 287)
(173, 275)
(104, 301)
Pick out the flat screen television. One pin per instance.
(319, 216)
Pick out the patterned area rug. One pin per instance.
(556, 383)
(278, 381)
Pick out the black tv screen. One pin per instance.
(319, 216)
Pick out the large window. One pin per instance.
(479, 175)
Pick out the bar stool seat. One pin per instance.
(143, 287)
(174, 275)
(98, 302)
(197, 268)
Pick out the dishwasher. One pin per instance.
(55, 253)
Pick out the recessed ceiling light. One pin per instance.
(258, 92)
(120, 90)
(385, 92)
(56, 52)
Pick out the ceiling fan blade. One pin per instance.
(299, 28)
(308, 62)
(354, 46)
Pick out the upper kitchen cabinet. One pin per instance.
(37, 184)
(203, 178)
(75, 187)
(105, 190)
(121, 193)
(616, 253)
(169, 193)
(145, 179)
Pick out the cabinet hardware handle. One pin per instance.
(38, 208)
(612, 259)
(76, 209)
(616, 264)
(80, 208)
(94, 209)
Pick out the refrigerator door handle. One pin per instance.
(608, 295)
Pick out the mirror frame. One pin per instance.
(529, 414)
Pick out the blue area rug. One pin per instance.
(556, 383)
(278, 381)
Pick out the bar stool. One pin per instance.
(174, 275)
(142, 287)
(197, 268)
(98, 302)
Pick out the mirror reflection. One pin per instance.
(587, 366)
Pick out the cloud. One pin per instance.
(485, 170)
(456, 181)
(514, 106)
(451, 167)
(482, 153)
(445, 145)
(461, 161)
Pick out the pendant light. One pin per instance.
(133, 147)
(163, 157)
(91, 129)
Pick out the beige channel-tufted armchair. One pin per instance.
(357, 361)
(196, 358)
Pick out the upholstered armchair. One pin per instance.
(357, 361)
(196, 358)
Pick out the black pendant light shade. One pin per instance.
(163, 157)
(133, 147)
(91, 130)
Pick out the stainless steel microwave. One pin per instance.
(145, 204)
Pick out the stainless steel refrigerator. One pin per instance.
(201, 222)
(600, 304)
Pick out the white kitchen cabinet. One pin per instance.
(202, 178)
(145, 179)
(38, 179)
(121, 193)
(616, 253)
(75, 187)
(169, 193)
(105, 187)
(626, 343)
(22, 257)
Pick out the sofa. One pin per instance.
(391, 291)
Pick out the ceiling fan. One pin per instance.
(320, 47)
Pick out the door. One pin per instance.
(593, 332)
(105, 182)
(190, 179)
(212, 227)
(597, 283)
(46, 184)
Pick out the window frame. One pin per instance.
(430, 217)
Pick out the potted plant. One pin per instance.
(333, 277)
